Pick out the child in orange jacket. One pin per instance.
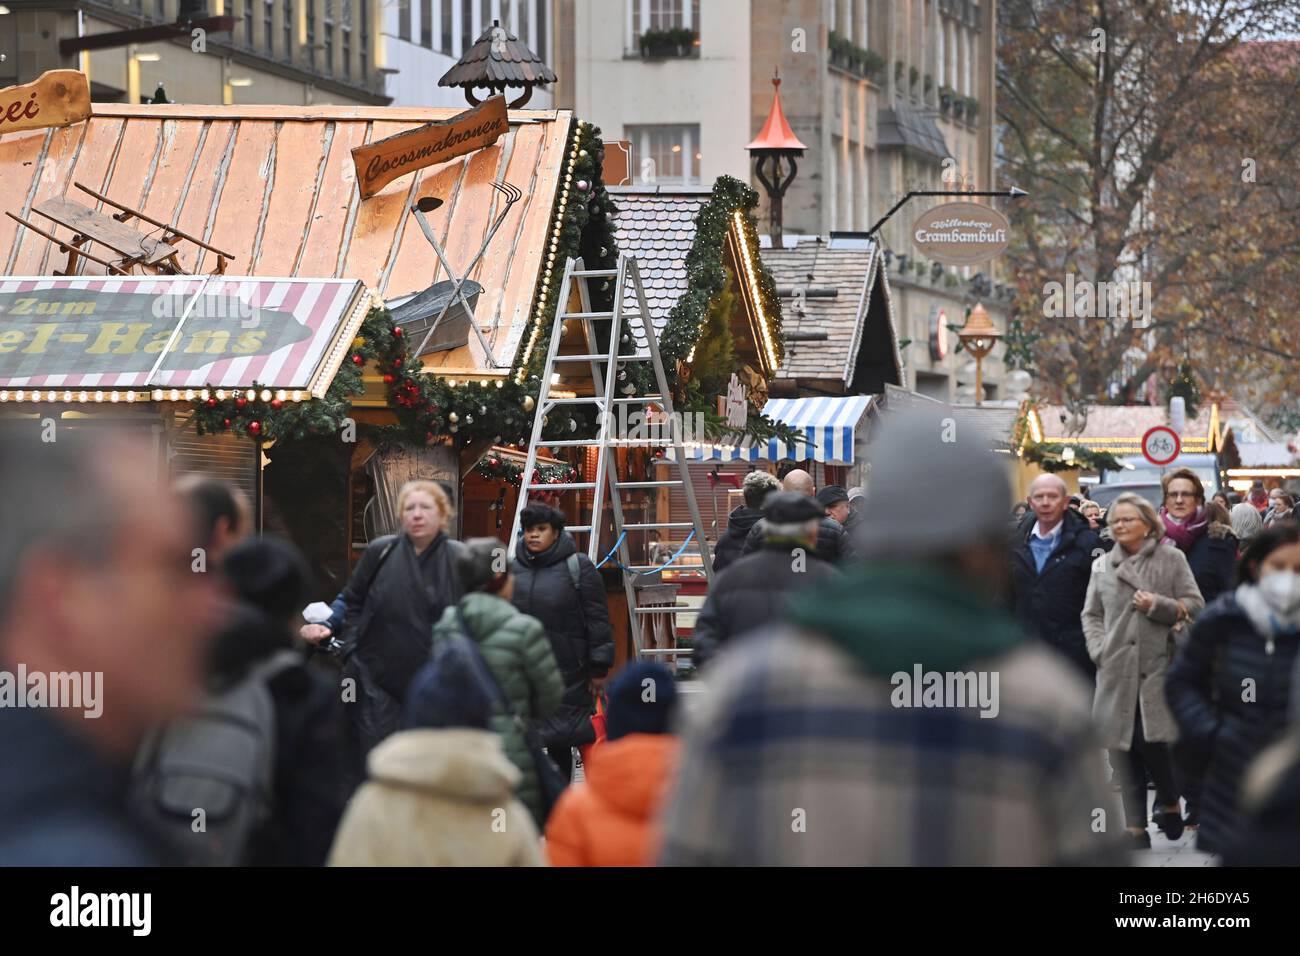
(611, 820)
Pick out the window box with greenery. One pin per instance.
(972, 109)
(855, 59)
(929, 84)
(913, 75)
(899, 66)
(677, 42)
(947, 96)
(958, 106)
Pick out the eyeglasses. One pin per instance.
(1115, 521)
(1180, 494)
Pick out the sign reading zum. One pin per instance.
(961, 233)
(191, 331)
(55, 98)
(378, 164)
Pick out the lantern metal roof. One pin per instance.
(498, 61)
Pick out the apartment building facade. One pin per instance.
(280, 51)
(888, 96)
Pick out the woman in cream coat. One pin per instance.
(1137, 593)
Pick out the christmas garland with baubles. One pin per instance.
(427, 407)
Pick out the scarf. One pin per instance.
(1184, 534)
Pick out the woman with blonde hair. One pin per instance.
(1138, 592)
(397, 592)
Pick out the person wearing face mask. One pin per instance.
(1230, 685)
(398, 591)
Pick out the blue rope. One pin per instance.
(612, 550)
(658, 567)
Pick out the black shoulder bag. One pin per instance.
(550, 779)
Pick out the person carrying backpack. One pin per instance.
(517, 655)
(562, 588)
(252, 777)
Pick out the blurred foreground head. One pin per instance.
(919, 457)
(96, 577)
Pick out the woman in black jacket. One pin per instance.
(1229, 687)
(562, 589)
(396, 594)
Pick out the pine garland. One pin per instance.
(511, 472)
(1048, 456)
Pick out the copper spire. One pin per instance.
(776, 133)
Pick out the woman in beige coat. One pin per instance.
(1137, 593)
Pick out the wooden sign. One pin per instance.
(378, 164)
(961, 233)
(617, 169)
(56, 98)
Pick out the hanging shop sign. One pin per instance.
(55, 98)
(961, 233)
(186, 332)
(378, 164)
(733, 405)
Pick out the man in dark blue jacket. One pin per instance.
(104, 626)
(1052, 557)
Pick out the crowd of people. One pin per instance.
(875, 682)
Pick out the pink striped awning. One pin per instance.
(62, 336)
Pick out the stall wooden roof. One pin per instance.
(276, 187)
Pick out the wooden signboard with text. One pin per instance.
(378, 164)
(56, 98)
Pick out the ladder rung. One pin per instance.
(666, 483)
(602, 358)
(594, 273)
(563, 486)
(679, 609)
(666, 650)
(584, 528)
(596, 315)
(567, 443)
(657, 524)
(643, 398)
(597, 399)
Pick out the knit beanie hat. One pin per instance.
(641, 701)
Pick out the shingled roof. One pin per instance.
(498, 60)
(841, 287)
(657, 225)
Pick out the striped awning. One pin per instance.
(74, 337)
(828, 424)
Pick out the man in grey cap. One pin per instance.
(833, 544)
(756, 587)
(856, 500)
(897, 717)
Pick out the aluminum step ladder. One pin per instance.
(605, 398)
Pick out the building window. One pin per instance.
(665, 15)
(248, 22)
(365, 39)
(426, 24)
(466, 25)
(311, 29)
(288, 29)
(268, 31)
(539, 19)
(673, 150)
(444, 42)
(329, 38)
(485, 16)
(404, 18)
(345, 15)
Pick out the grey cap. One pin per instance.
(856, 493)
(912, 468)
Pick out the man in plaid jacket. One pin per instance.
(897, 717)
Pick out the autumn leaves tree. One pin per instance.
(1159, 143)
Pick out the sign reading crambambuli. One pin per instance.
(961, 233)
(378, 164)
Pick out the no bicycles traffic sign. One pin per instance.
(1161, 445)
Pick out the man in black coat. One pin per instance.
(562, 588)
(756, 487)
(1052, 556)
(754, 591)
(833, 544)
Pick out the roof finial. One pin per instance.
(776, 77)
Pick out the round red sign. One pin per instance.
(1161, 445)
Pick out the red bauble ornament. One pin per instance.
(358, 360)
(276, 403)
(226, 422)
(397, 362)
(428, 436)
(388, 380)
(241, 402)
(212, 403)
(397, 332)
(255, 428)
(492, 462)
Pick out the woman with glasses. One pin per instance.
(1137, 592)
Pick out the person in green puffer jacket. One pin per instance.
(515, 648)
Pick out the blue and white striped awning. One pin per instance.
(829, 425)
